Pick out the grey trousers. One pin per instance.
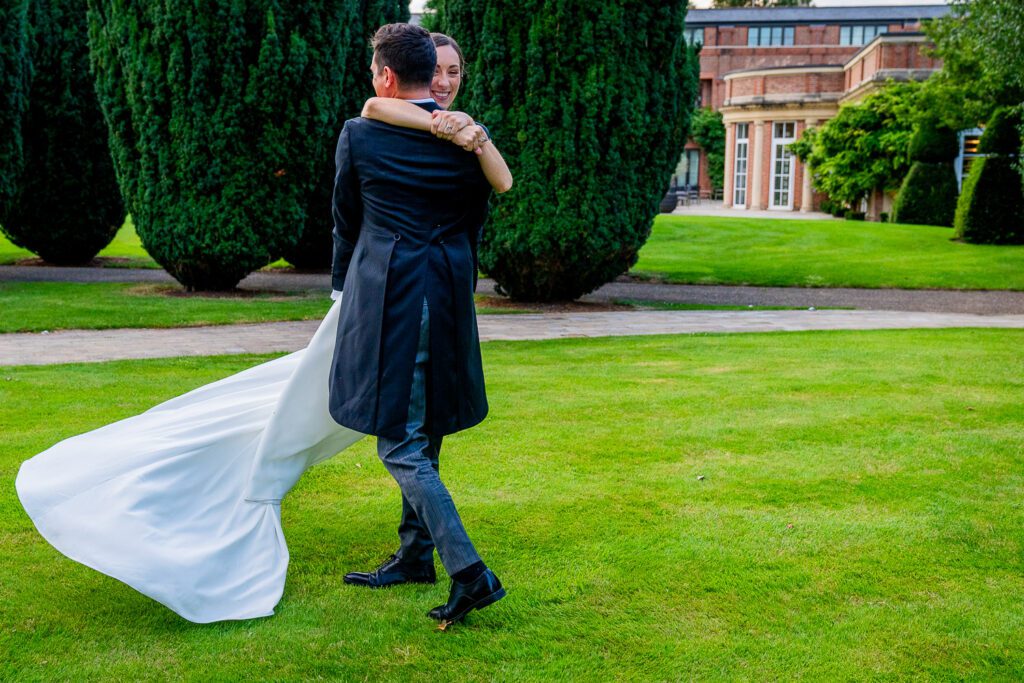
(429, 517)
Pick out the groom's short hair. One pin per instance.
(408, 50)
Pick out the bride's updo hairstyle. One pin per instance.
(440, 40)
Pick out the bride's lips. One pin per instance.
(441, 97)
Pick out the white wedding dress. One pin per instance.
(182, 502)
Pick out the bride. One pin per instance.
(182, 502)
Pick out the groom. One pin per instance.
(407, 210)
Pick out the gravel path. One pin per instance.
(997, 302)
(103, 345)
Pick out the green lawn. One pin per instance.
(860, 517)
(125, 248)
(38, 306)
(779, 252)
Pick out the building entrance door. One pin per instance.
(783, 134)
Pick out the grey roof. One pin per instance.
(813, 15)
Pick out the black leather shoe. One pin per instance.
(483, 591)
(394, 571)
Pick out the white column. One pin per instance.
(730, 164)
(806, 192)
(754, 180)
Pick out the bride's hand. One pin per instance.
(471, 138)
(447, 124)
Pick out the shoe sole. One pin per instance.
(388, 585)
(485, 601)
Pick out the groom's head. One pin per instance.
(404, 58)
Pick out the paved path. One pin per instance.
(948, 301)
(103, 345)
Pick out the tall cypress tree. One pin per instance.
(313, 250)
(220, 112)
(590, 103)
(14, 77)
(67, 206)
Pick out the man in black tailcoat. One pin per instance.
(408, 208)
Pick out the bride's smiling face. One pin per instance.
(447, 76)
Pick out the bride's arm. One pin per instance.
(397, 113)
(401, 113)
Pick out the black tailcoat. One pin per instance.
(408, 210)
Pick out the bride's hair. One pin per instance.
(440, 40)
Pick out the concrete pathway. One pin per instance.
(946, 301)
(707, 207)
(103, 345)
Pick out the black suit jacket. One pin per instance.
(408, 208)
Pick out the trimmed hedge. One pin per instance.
(928, 194)
(14, 71)
(68, 205)
(315, 245)
(590, 149)
(991, 206)
(221, 115)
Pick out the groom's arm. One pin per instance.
(347, 209)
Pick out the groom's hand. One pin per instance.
(447, 124)
(471, 138)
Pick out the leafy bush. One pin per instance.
(315, 245)
(852, 215)
(928, 195)
(707, 129)
(67, 206)
(991, 206)
(591, 158)
(864, 147)
(222, 115)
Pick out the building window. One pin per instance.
(783, 134)
(969, 140)
(770, 36)
(739, 193)
(693, 36)
(860, 35)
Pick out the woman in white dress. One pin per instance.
(183, 501)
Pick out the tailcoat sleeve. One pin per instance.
(347, 208)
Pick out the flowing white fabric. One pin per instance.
(182, 502)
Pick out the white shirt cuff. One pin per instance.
(335, 295)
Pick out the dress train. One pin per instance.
(182, 502)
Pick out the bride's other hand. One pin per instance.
(447, 124)
(471, 138)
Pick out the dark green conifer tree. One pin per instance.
(928, 194)
(991, 205)
(315, 245)
(220, 113)
(590, 104)
(14, 72)
(67, 205)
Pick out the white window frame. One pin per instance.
(740, 177)
(781, 143)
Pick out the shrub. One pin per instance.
(991, 205)
(928, 194)
(852, 215)
(707, 129)
(933, 143)
(14, 69)
(315, 245)
(67, 206)
(221, 114)
(591, 158)
(883, 217)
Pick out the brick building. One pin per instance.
(774, 72)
